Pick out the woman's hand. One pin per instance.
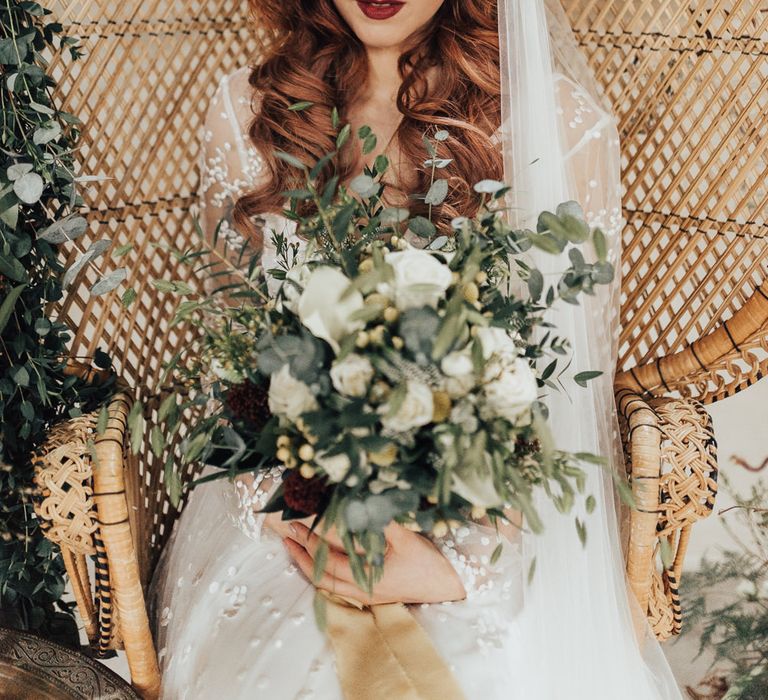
(414, 570)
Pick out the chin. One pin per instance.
(380, 25)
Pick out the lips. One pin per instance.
(380, 10)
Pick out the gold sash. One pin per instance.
(382, 653)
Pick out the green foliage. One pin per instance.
(37, 198)
(735, 625)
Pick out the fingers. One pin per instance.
(327, 582)
(337, 562)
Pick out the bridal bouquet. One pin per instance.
(395, 374)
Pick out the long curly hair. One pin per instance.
(311, 54)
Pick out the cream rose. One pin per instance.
(496, 341)
(335, 466)
(352, 375)
(459, 373)
(289, 397)
(513, 392)
(415, 410)
(420, 279)
(296, 280)
(325, 310)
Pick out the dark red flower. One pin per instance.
(249, 402)
(304, 495)
(525, 447)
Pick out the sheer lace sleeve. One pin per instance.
(229, 167)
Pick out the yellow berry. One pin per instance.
(290, 463)
(413, 527)
(362, 339)
(377, 299)
(440, 528)
(284, 454)
(432, 499)
(307, 470)
(397, 342)
(481, 277)
(283, 441)
(376, 335)
(366, 265)
(471, 293)
(395, 240)
(391, 314)
(478, 512)
(306, 452)
(384, 457)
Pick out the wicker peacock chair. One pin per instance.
(688, 87)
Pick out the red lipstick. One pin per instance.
(378, 9)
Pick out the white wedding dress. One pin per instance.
(235, 617)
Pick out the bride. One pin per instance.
(550, 618)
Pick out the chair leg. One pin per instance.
(645, 455)
(115, 531)
(77, 570)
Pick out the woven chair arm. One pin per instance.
(700, 355)
(643, 447)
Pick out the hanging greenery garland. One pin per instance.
(38, 212)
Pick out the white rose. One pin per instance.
(420, 279)
(335, 466)
(352, 375)
(463, 415)
(513, 392)
(459, 373)
(496, 341)
(416, 409)
(296, 280)
(288, 396)
(746, 588)
(322, 309)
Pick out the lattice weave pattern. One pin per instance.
(689, 83)
(689, 464)
(65, 493)
(142, 92)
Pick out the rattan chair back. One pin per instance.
(689, 84)
(142, 91)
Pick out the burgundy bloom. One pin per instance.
(304, 495)
(249, 402)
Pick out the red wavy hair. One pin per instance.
(311, 54)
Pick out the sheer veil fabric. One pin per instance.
(235, 617)
(561, 143)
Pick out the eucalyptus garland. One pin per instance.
(38, 205)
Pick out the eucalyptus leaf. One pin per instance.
(29, 188)
(8, 304)
(110, 282)
(422, 227)
(488, 186)
(437, 192)
(15, 171)
(364, 185)
(393, 215)
(47, 134)
(67, 229)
